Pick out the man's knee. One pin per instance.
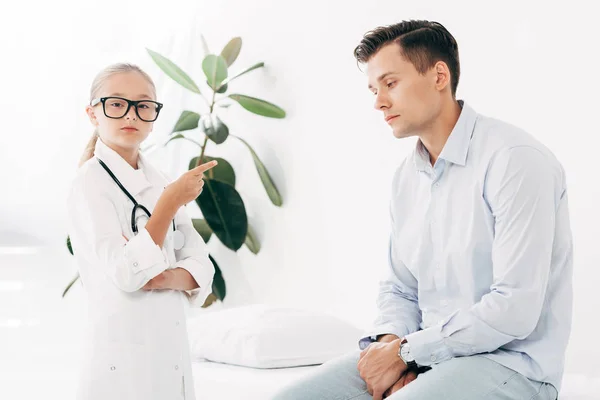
(329, 380)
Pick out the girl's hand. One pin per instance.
(188, 186)
(173, 279)
(161, 281)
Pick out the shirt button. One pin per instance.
(433, 358)
(177, 323)
(112, 368)
(176, 367)
(437, 184)
(135, 264)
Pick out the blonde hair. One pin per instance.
(97, 84)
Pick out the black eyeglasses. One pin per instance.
(118, 107)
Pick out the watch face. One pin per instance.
(405, 353)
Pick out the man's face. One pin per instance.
(408, 100)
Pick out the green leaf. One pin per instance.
(215, 69)
(222, 89)
(231, 50)
(202, 228)
(70, 284)
(173, 71)
(210, 299)
(218, 286)
(225, 213)
(215, 129)
(188, 120)
(258, 106)
(255, 66)
(251, 241)
(222, 172)
(178, 136)
(264, 176)
(69, 245)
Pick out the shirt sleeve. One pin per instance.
(523, 190)
(193, 257)
(96, 234)
(397, 300)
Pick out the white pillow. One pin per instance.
(260, 336)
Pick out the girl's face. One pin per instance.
(129, 131)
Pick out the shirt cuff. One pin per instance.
(368, 338)
(143, 255)
(204, 278)
(428, 347)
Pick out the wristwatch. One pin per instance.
(405, 355)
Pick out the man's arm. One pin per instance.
(397, 301)
(523, 190)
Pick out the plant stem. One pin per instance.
(202, 151)
(206, 136)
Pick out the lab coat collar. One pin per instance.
(134, 180)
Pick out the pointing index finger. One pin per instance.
(200, 169)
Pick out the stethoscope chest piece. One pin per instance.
(178, 239)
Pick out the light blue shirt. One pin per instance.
(481, 252)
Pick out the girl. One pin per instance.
(139, 257)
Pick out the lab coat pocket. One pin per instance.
(114, 371)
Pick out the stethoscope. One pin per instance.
(178, 237)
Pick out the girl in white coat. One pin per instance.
(139, 271)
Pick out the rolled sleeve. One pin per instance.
(203, 273)
(143, 255)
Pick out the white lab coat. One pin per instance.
(137, 347)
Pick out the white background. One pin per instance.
(530, 63)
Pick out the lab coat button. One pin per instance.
(177, 323)
(112, 368)
(176, 367)
(433, 358)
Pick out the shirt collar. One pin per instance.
(457, 146)
(134, 180)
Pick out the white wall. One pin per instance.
(529, 63)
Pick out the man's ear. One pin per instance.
(443, 76)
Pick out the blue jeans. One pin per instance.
(462, 378)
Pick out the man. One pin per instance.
(478, 298)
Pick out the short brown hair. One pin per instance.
(423, 43)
